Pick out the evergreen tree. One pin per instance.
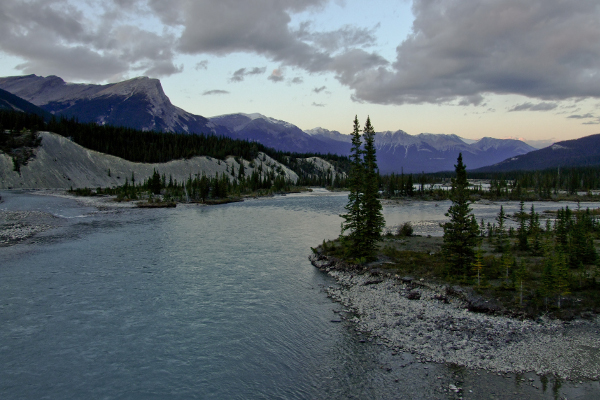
(522, 230)
(155, 184)
(501, 237)
(354, 218)
(364, 219)
(374, 221)
(460, 233)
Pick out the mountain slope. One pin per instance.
(569, 153)
(60, 163)
(273, 133)
(138, 103)
(10, 102)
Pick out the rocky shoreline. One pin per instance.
(437, 323)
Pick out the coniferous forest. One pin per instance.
(158, 147)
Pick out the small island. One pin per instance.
(483, 296)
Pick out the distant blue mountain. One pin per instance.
(274, 133)
(398, 151)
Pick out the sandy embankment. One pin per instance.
(439, 328)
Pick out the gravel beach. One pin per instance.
(423, 320)
(18, 226)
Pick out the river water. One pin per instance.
(207, 302)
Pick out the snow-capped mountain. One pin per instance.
(428, 152)
(138, 103)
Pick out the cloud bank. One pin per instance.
(458, 52)
(545, 49)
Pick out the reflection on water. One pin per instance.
(200, 302)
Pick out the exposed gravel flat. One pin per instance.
(446, 332)
(16, 226)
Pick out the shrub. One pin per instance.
(405, 229)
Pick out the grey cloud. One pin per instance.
(319, 89)
(343, 38)
(201, 65)
(297, 80)
(546, 49)
(596, 122)
(258, 26)
(57, 37)
(65, 28)
(318, 104)
(216, 91)
(241, 73)
(276, 75)
(584, 116)
(534, 107)
(457, 52)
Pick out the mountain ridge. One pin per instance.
(141, 103)
(580, 152)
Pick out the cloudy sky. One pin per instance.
(502, 68)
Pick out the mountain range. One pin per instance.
(137, 103)
(580, 152)
(142, 104)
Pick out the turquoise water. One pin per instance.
(199, 302)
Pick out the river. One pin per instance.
(208, 302)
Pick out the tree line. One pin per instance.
(159, 147)
(542, 263)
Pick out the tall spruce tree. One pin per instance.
(354, 218)
(364, 219)
(460, 233)
(374, 221)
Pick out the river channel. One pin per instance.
(214, 302)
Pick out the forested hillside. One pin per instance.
(154, 147)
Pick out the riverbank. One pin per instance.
(436, 326)
(18, 226)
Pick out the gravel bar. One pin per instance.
(422, 319)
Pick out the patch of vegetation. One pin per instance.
(533, 270)
(20, 145)
(199, 188)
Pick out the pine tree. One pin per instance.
(354, 218)
(522, 230)
(374, 221)
(460, 233)
(501, 239)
